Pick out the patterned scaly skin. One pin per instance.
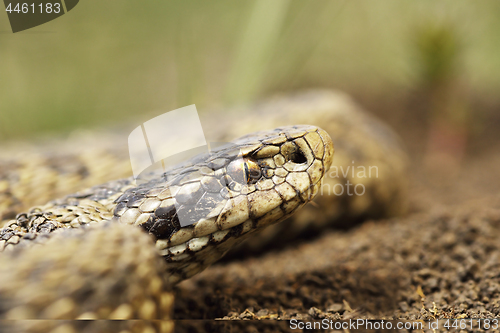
(84, 256)
(34, 174)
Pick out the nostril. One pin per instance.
(298, 157)
(293, 153)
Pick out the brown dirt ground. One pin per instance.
(441, 260)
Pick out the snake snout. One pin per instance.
(310, 149)
(328, 148)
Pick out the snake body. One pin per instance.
(226, 195)
(86, 255)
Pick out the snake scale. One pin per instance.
(114, 250)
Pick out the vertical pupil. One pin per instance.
(238, 171)
(247, 173)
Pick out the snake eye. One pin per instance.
(244, 171)
(253, 172)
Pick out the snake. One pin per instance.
(115, 250)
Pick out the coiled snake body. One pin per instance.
(86, 255)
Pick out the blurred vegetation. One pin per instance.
(439, 49)
(112, 60)
(445, 97)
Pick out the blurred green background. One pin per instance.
(107, 60)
